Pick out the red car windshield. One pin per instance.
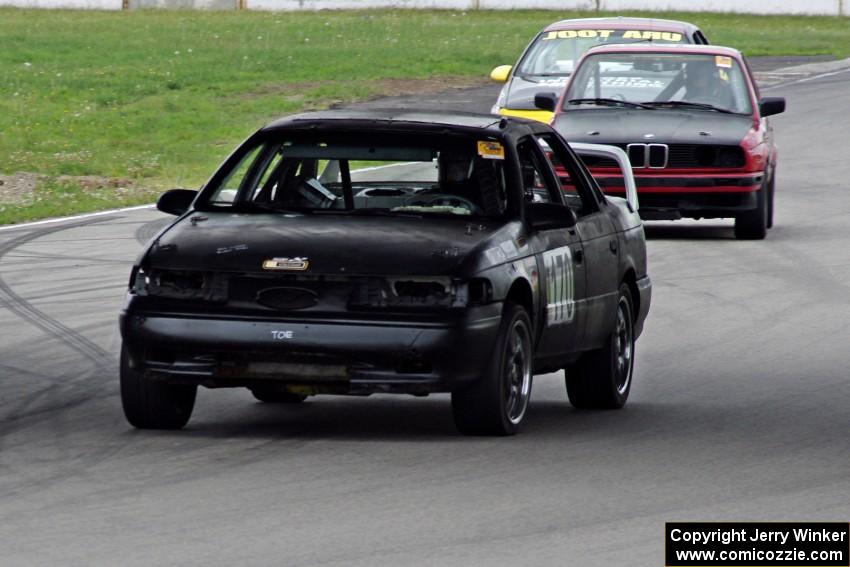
(683, 80)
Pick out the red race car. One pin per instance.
(692, 122)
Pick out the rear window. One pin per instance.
(555, 53)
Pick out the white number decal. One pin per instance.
(560, 286)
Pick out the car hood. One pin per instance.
(521, 90)
(333, 244)
(626, 126)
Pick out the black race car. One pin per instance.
(360, 253)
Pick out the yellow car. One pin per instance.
(549, 59)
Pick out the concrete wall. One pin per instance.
(823, 7)
(183, 4)
(78, 4)
(814, 7)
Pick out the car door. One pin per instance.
(560, 261)
(599, 239)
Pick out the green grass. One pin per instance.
(161, 98)
(56, 197)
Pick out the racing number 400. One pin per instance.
(560, 286)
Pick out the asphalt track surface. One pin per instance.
(740, 410)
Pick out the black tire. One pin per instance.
(496, 403)
(602, 378)
(752, 225)
(770, 192)
(150, 404)
(272, 396)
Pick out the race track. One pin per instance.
(740, 410)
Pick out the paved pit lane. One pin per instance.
(740, 410)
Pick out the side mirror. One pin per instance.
(176, 201)
(549, 216)
(770, 105)
(546, 101)
(500, 73)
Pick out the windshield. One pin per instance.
(656, 80)
(347, 176)
(555, 53)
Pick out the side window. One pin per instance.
(537, 182)
(577, 195)
(749, 72)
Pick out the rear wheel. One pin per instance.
(151, 404)
(602, 378)
(496, 403)
(752, 225)
(272, 396)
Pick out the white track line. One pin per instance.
(74, 217)
(807, 79)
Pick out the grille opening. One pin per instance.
(160, 355)
(637, 155)
(705, 156)
(657, 155)
(413, 363)
(731, 157)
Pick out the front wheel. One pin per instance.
(752, 225)
(771, 189)
(151, 404)
(496, 403)
(602, 378)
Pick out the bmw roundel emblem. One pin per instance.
(648, 136)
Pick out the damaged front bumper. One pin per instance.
(352, 356)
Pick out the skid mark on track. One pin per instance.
(32, 255)
(26, 311)
(50, 400)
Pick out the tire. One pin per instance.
(752, 225)
(271, 396)
(770, 192)
(496, 403)
(150, 404)
(602, 378)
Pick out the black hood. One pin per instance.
(334, 244)
(521, 90)
(626, 126)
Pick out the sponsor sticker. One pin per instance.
(560, 286)
(491, 150)
(652, 35)
(570, 34)
(613, 34)
(723, 61)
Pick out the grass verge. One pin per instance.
(161, 97)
